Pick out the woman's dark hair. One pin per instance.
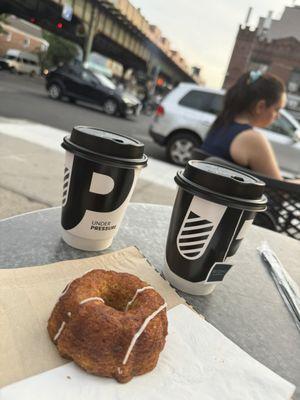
(250, 88)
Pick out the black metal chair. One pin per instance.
(283, 214)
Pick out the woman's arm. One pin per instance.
(251, 148)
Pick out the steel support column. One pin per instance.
(90, 36)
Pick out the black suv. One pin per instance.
(79, 83)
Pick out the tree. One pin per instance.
(59, 51)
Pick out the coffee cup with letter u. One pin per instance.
(101, 170)
(214, 207)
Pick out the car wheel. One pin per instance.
(110, 107)
(55, 91)
(180, 147)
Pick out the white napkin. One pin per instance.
(198, 362)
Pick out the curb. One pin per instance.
(157, 172)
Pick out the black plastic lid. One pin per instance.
(101, 145)
(223, 184)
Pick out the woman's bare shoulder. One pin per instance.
(252, 136)
(253, 149)
(248, 145)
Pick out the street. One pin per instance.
(23, 97)
(32, 127)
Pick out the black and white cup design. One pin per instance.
(214, 207)
(198, 228)
(203, 237)
(95, 198)
(194, 235)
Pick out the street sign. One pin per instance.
(67, 12)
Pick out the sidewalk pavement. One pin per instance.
(31, 170)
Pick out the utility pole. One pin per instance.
(90, 36)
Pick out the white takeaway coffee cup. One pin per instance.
(101, 170)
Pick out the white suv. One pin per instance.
(186, 113)
(23, 62)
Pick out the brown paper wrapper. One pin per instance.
(28, 295)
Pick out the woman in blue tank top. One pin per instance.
(253, 101)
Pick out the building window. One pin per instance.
(26, 42)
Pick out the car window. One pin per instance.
(283, 126)
(10, 57)
(209, 102)
(72, 69)
(88, 77)
(105, 81)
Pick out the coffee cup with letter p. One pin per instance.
(214, 207)
(101, 170)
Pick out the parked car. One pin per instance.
(79, 83)
(23, 62)
(183, 118)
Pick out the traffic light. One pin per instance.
(160, 81)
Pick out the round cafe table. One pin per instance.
(246, 307)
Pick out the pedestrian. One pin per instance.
(146, 96)
(253, 101)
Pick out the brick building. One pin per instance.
(273, 46)
(21, 35)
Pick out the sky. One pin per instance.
(204, 32)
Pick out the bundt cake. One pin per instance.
(111, 324)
